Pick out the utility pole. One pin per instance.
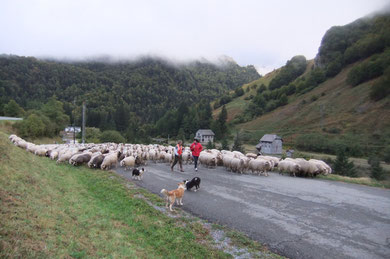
(83, 129)
(74, 122)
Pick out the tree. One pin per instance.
(377, 171)
(224, 144)
(237, 145)
(33, 126)
(13, 109)
(210, 145)
(342, 166)
(181, 135)
(54, 110)
(222, 122)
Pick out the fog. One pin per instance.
(261, 33)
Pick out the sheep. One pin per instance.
(40, 151)
(260, 166)
(323, 167)
(127, 162)
(110, 160)
(289, 166)
(153, 155)
(251, 155)
(96, 161)
(168, 157)
(238, 154)
(237, 165)
(207, 159)
(226, 160)
(307, 168)
(21, 143)
(79, 159)
(66, 155)
(187, 157)
(31, 147)
(274, 160)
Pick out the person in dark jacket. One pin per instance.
(196, 148)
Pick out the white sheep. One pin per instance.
(237, 165)
(207, 159)
(289, 166)
(109, 161)
(128, 162)
(260, 166)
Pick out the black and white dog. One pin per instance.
(138, 173)
(194, 182)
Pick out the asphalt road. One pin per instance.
(295, 217)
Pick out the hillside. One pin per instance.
(147, 87)
(326, 108)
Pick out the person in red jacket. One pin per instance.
(196, 148)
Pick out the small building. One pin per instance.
(270, 144)
(205, 135)
(72, 129)
(2, 118)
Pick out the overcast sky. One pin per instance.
(261, 33)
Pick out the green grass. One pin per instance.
(61, 211)
(361, 180)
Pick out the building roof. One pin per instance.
(270, 138)
(206, 132)
(71, 129)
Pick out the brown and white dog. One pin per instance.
(171, 196)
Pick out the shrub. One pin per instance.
(112, 136)
(381, 88)
(239, 92)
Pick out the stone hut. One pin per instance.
(270, 144)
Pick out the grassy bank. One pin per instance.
(61, 211)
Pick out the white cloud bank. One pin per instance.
(263, 33)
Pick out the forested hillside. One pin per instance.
(118, 95)
(339, 100)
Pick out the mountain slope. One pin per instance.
(331, 105)
(147, 87)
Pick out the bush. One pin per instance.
(381, 89)
(239, 92)
(112, 136)
(92, 135)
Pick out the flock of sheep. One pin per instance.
(107, 155)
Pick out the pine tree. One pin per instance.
(225, 144)
(237, 145)
(377, 171)
(343, 167)
(210, 145)
(222, 122)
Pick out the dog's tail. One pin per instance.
(165, 192)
